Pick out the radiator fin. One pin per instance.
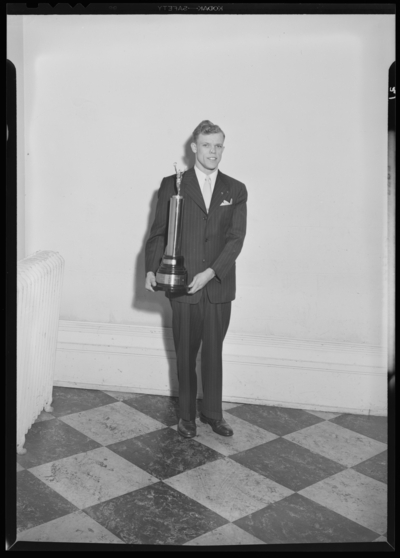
(39, 287)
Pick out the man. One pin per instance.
(213, 231)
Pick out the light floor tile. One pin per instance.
(226, 406)
(324, 414)
(228, 488)
(88, 478)
(44, 416)
(227, 535)
(335, 442)
(245, 436)
(381, 539)
(73, 528)
(278, 420)
(120, 395)
(353, 495)
(19, 468)
(112, 423)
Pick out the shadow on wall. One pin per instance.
(144, 300)
(188, 157)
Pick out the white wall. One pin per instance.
(15, 42)
(110, 103)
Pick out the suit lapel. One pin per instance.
(190, 186)
(220, 193)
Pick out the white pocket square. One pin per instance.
(226, 202)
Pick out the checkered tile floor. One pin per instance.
(108, 467)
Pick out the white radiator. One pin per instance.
(39, 284)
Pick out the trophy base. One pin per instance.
(172, 276)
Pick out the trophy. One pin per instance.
(172, 276)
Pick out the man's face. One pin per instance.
(208, 150)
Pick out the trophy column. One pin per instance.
(171, 275)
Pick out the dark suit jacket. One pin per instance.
(212, 239)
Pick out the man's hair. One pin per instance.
(206, 127)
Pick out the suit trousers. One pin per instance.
(192, 324)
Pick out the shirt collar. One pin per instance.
(201, 176)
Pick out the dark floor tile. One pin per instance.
(37, 503)
(376, 467)
(51, 440)
(44, 416)
(164, 453)
(298, 520)
(373, 427)
(162, 408)
(278, 420)
(73, 400)
(288, 464)
(156, 514)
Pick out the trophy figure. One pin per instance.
(172, 276)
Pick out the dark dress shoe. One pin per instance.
(220, 426)
(187, 428)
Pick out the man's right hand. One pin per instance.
(150, 281)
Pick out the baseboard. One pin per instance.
(296, 373)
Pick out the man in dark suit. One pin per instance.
(213, 231)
